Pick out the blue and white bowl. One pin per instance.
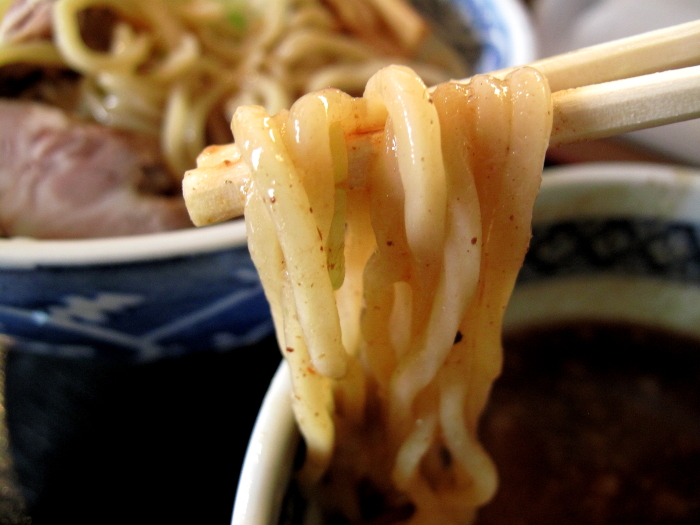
(146, 297)
(135, 298)
(502, 29)
(612, 243)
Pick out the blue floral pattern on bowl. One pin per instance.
(653, 248)
(495, 25)
(140, 311)
(496, 39)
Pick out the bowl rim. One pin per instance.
(25, 252)
(667, 191)
(272, 444)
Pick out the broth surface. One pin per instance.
(595, 424)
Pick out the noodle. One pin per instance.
(392, 357)
(177, 69)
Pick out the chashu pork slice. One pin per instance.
(65, 178)
(26, 20)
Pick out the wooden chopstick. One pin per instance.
(612, 108)
(661, 50)
(601, 91)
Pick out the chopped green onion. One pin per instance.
(237, 19)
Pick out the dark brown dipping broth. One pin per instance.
(596, 424)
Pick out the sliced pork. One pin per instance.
(65, 178)
(27, 20)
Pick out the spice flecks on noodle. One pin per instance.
(386, 394)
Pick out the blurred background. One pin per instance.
(565, 25)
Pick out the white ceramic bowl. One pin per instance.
(611, 243)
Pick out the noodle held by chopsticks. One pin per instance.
(393, 354)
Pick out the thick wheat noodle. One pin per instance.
(392, 358)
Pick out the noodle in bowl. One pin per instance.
(105, 297)
(578, 270)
